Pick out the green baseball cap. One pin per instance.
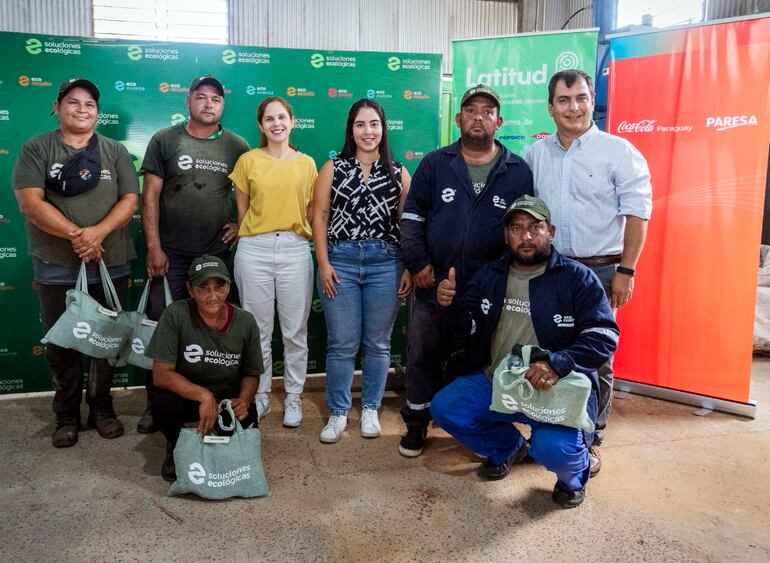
(480, 90)
(207, 267)
(207, 79)
(529, 204)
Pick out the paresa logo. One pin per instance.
(25, 81)
(8, 252)
(5, 115)
(231, 56)
(339, 93)
(373, 94)
(304, 123)
(295, 91)
(415, 95)
(167, 87)
(721, 123)
(317, 60)
(137, 53)
(177, 119)
(128, 86)
(34, 46)
(506, 76)
(252, 90)
(198, 475)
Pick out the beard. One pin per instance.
(476, 139)
(539, 257)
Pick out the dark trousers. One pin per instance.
(170, 412)
(177, 281)
(66, 365)
(430, 344)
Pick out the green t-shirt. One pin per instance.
(480, 172)
(195, 200)
(515, 324)
(43, 156)
(212, 359)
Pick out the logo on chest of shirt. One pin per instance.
(193, 353)
(485, 306)
(184, 162)
(448, 195)
(55, 170)
(499, 202)
(564, 320)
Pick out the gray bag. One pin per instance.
(564, 404)
(220, 467)
(88, 327)
(142, 330)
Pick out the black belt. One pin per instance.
(599, 260)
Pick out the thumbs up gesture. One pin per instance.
(446, 290)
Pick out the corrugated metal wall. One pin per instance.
(718, 9)
(57, 17)
(557, 12)
(424, 26)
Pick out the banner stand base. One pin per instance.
(741, 409)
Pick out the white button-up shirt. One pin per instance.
(590, 188)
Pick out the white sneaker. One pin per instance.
(370, 424)
(262, 401)
(334, 429)
(292, 413)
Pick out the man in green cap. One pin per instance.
(534, 296)
(204, 350)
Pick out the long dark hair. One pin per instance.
(349, 148)
(261, 114)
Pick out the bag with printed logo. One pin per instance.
(142, 330)
(564, 404)
(87, 326)
(219, 467)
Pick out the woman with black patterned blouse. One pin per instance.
(357, 201)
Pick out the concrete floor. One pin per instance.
(674, 487)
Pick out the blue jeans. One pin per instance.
(361, 315)
(462, 409)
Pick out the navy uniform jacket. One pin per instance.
(569, 310)
(445, 224)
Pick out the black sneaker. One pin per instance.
(66, 434)
(413, 441)
(106, 423)
(492, 472)
(146, 424)
(567, 499)
(168, 469)
(594, 460)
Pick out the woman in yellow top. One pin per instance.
(273, 264)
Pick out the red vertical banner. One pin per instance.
(696, 103)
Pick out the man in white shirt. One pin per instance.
(598, 188)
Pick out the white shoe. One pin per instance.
(292, 413)
(334, 429)
(262, 401)
(370, 424)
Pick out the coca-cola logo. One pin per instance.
(643, 126)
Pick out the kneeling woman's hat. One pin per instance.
(207, 267)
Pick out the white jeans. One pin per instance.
(277, 267)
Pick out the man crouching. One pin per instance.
(204, 350)
(518, 300)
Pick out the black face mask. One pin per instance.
(79, 174)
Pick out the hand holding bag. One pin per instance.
(220, 467)
(85, 325)
(142, 329)
(564, 404)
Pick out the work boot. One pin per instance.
(106, 422)
(168, 469)
(567, 499)
(492, 472)
(146, 424)
(66, 434)
(413, 441)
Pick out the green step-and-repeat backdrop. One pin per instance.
(143, 89)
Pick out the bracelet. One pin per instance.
(626, 271)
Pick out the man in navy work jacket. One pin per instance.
(451, 218)
(533, 295)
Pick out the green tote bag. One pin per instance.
(220, 467)
(142, 329)
(85, 325)
(564, 404)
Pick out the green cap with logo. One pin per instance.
(529, 204)
(207, 267)
(480, 90)
(207, 79)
